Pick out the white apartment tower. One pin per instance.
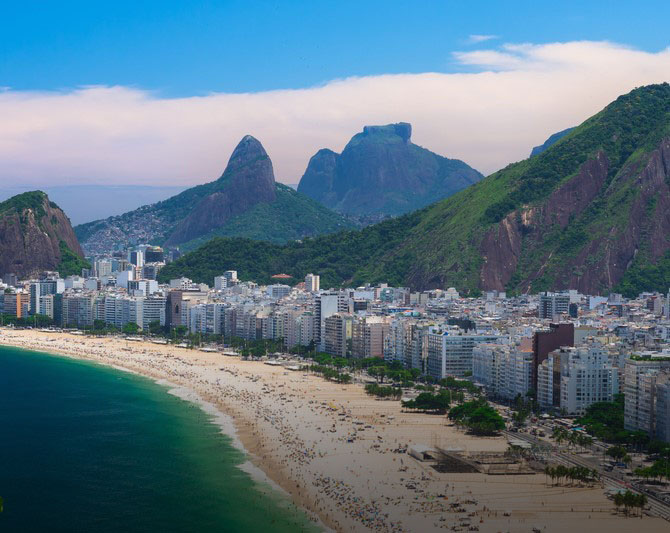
(312, 283)
(574, 378)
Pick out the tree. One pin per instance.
(618, 500)
(344, 378)
(616, 452)
(427, 401)
(130, 328)
(381, 391)
(379, 372)
(478, 416)
(604, 420)
(155, 327)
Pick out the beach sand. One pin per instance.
(295, 428)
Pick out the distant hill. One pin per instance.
(244, 201)
(550, 141)
(380, 171)
(592, 213)
(86, 202)
(36, 235)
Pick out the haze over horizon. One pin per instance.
(117, 104)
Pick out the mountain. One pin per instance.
(247, 180)
(245, 201)
(551, 140)
(36, 235)
(86, 202)
(592, 213)
(380, 171)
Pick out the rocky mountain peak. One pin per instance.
(381, 172)
(35, 235)
(247, 180)
(248, 150)
(400, 129)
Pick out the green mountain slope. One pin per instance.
(291, 216)
(245, 201)
(592, 212)
(553, 139)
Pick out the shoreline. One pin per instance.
(226, 423)
(221, 419)
(299, 444)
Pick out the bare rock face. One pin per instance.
(318, 180)
(380, 171)
(31, 231)
(502, 245)
(603, 260)
(247, 180)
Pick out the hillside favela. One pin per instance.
(387, 267)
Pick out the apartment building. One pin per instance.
(368, 336)
(646, 389)
(571, 379)
(450, 351)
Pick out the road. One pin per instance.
(612, 479)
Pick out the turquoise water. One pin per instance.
(87, 448)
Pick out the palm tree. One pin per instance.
(618, 501)
(595, 475)
(642, 502)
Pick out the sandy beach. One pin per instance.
(332, 447)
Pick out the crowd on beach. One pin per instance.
(338, 452)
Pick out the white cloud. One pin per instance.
(477, 38)
(519, 95)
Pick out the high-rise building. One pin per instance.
(368, 337)
(102, 267)
(278, 291)
(17, 304)
(11, 279)
(646, 388)
(305, 329)
(504, 370)
(327, 304)
(207, 318)
(662, 407)
(312, 283)
(336, 333)
(549, 340)
(78, 309)
(450, 351)
(553, 304)
(142, 287)
(136, 257)
(231, 276)
(41, 288)
(151, 270)
(178, 303)
(574, 378)
(154, 254)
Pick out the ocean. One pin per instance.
(88, 448)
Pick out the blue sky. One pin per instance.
(178, 48)
(158, 94)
